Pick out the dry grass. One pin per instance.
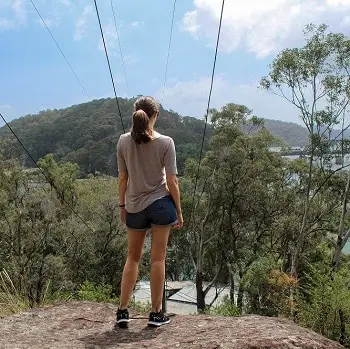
(11, 300)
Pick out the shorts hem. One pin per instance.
(165, 225)
(138, 229)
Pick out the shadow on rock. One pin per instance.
(116, 336)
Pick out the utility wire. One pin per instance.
(120, 48)
(46, 177)
(168, 54)
(208, 106)
(164, 302)
(109, 64)
(61, 51)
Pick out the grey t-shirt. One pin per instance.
(147, 166)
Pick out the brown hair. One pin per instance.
(145, 109)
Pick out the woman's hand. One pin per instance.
(180, 221)
(123, 215)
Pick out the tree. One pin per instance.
(60, 177)
(240, 195)
(315, 79)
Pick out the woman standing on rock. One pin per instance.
(149, 199)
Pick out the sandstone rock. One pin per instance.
(90, 325)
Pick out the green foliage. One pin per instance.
(87, 134)
(139, 307)
(292, 134)
(61, 177)
(268, 288)
(225, 308)
(321, 298)
(12, 301)
(45, 247)
(89, 291)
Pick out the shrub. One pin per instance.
(322, 299)
(89, 291)
(11, 300)
(225, 308)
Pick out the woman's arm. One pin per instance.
(122, 180)
(171, 180)
(173, 186)
(122, 185)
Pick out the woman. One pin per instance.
(149, 199)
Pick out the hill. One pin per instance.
(90, 325)
(87, 134)
(292, 134)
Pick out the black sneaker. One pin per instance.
(158, 319)
(123, 318)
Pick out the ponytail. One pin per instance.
(141, 132)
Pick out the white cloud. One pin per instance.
(130, 59)
(81, 25)
(262, 27)
(6, 24)
(50, 22)
(111, 38)
(18, 8)
(190, 22)
(14, 13)
(137, 24)
(65, 2)
(191, 98)
(18, 15)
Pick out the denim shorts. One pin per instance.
(161, 212)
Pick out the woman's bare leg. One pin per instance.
(160, 236)
(136, 240)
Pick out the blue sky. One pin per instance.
(34, 76)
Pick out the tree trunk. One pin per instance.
(342, 240)
(300, 239)
(240, 294)
(342, 327)
(295, 257)
(200, 292)
(39, 292)
(232, 283)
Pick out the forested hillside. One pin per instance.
(292, 134)
(86, 134)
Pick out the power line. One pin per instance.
(109, 64)
(63, 55)
(208, 106)
(164, 303)
(61, 51)
(169, 47)
(46, 177)
(120, 48)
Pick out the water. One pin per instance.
(332, 163)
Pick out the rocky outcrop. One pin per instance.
(89, 325)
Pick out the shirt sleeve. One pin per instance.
(120, 158)
(170, 159)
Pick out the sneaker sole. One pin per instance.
(123, 323)
(157, 324)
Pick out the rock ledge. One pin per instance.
(90, 325)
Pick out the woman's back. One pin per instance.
(146, 165)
